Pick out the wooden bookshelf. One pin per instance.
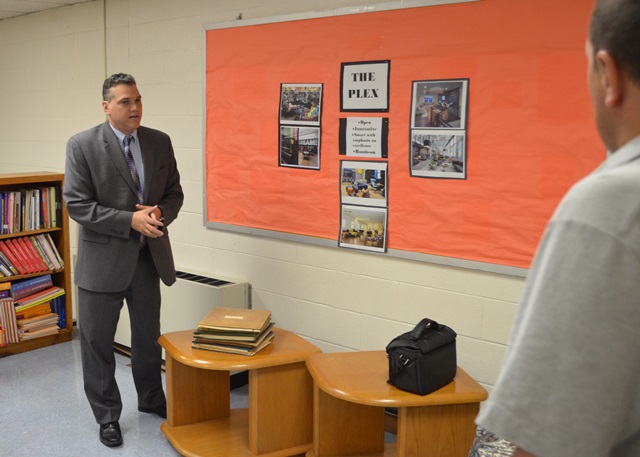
(60, 236)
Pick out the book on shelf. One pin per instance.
(8, 320)
(20, 289)
(39, 325)
(39, 250)
(4, 268)
(50, 250)
(35, 322)
(34, 258)
(44, 208)
(30, 209)
(58, 305)
(30, 254)
(20, 254)
(17, 210)
(37, 333)
(251, 321)
(8, 252)
(38, 298)
(8, 213)
(8, 264)
(37, 310)
(57, 214)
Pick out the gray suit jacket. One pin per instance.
(100, 195)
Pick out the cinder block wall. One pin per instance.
(52, 65)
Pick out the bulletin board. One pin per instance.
(530, 132)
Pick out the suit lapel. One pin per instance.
(114, 151)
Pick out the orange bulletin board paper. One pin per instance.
(530, 133)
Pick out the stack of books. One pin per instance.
(36, 305)
(37, 326)
(234, 331)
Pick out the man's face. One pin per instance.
(124, 109)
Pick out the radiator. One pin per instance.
(187, 301)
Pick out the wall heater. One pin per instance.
(186, 302)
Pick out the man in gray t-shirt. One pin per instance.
(570, 386)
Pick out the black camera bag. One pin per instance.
(424, 359)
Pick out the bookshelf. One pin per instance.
(60, 236)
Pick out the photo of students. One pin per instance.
(300, 104)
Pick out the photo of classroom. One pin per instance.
(363, 183)
(363, 228)
(441, 156)
(300, 147)
(439, 104)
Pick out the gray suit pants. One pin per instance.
(98, 318)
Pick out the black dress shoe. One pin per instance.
(160, 410)
(110, 434)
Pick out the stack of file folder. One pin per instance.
(234, 331)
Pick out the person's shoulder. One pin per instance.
(610, 183)
(87, 135)
(607, 198)
(152, 133)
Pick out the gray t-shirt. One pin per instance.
(570, 386)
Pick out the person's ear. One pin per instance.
(611, 78)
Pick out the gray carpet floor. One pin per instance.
(44, 412)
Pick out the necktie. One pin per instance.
(134, 174)
(132, 166)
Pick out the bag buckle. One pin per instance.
(404, 359)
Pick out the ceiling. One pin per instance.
(14, 8)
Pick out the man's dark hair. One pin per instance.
(615, 27)
(115, 80)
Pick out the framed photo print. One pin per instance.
(299, 147)
(439, 104)
(438, 154)
(363, 228)
(363, 183)
(300, 104)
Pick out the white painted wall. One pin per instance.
(52, 65)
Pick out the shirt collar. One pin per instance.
(627, 153)
(121, 135)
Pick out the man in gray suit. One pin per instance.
(122, 187)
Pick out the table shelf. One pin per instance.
(278, 422)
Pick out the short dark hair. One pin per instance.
(615, 27)
(115, 80)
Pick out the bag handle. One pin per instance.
(419, 329)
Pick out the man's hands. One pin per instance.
(148, 221)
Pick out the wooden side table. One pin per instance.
(351, 392)
(200, 421)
